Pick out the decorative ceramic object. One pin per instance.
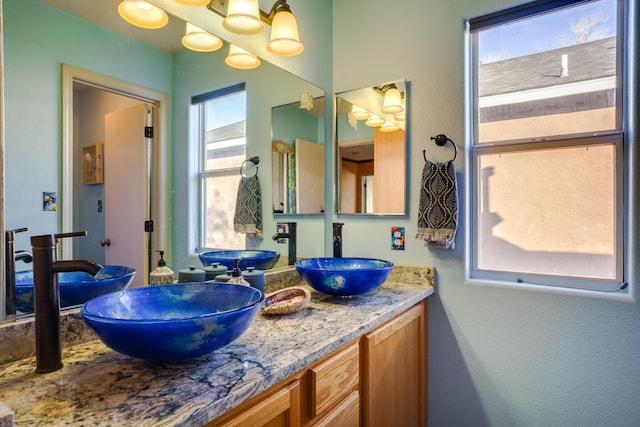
(285, 301)
(173, 322)
(344, 276)
(76, 287)
(261, 260)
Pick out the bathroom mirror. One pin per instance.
(31, 197)
(371, 150)
(298, 157)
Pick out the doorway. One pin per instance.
(131, 191)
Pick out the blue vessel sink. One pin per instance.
(261, 260)
(344, 276)
(76, 287)
(173, 322)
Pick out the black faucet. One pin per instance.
(337, 239)
(47, 297)
(291, 239)
(11, 256)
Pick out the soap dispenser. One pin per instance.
(161, 275)
(236, 276)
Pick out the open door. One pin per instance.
(127, 168)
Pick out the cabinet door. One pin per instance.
(279, 409)
(395, 371)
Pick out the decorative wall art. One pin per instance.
(93, 164)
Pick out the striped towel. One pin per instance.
(438, 211)
(248, 214)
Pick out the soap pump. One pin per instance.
(161, 275)
(236, 276)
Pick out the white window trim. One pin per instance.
(630, 176)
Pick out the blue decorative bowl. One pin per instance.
(76, 287)
(173, 322)
(344, 276)
(261, 260)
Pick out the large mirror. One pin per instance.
(33, 68)
(298, 157)
(371, 149)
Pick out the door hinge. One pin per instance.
(148, 131)
(148, 226)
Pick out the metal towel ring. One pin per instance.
(442, 139)
(255, 160)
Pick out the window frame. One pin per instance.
(623, 190)
(198, 105)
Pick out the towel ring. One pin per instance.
(442, 139)
(255, 160)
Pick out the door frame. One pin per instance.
(159, 164)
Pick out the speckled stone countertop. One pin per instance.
(98, 386)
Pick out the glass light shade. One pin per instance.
(388, 127)
(400, 116)
(143, 14)
(193, 2)
(374, 121)
(284, 35)
(240, 58)
(243, 17)
(392, 101)
(359, 113)
(195, 38)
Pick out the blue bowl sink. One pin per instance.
(76, 287)
(173, 322)
(344, 276)
(261, 260)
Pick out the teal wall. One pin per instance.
(497, 357)
(37, 41)
(291, 123)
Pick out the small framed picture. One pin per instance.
(93, 164)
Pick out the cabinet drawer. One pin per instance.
(333, 379)
(346, 414)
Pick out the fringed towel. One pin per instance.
(438, 212)
(248, 215)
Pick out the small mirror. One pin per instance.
(371, 150)
(298, 156)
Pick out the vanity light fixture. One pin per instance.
(241, 59)
(400, 116)
(143, 14)
(388, 127)
(359, 113)
(392, 100)
(284, 31)
(243, 17)
(193, 2)
(199, 40)
(374, 121)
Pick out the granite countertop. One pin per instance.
(98, 386)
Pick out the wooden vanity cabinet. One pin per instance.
(377, 380)
(279, 408)
(395, 371)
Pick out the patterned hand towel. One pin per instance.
(248, 215)
(438, 212)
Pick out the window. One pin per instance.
(546, 161)
(222, 141)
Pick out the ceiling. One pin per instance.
(105, 14)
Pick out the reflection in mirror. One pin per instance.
(32, 68)
(371, 144)
(298, 156)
